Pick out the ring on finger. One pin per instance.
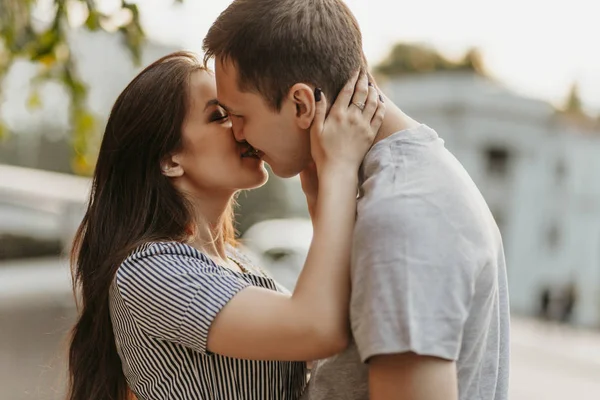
(360, 105)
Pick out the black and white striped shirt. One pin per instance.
(162, 302)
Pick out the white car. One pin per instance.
(280, 247)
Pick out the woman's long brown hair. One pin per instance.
(131, 203)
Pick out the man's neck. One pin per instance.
(395, 120)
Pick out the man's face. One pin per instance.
(282, 143)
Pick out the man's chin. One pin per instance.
(283, 172)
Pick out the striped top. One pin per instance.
(162, 302)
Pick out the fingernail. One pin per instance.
(381, 98)
(371, 84)
(318, 93)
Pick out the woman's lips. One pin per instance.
(251, 152)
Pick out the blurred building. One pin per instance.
(40, 134)
(40, 137)
(39, 211)
(538, 170)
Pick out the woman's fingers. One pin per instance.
(377, 119)
(371, 103)
(345, 96)
(361, 92)
(320, 111)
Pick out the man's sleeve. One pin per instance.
(412, 280)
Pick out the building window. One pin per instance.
(560, 171)
(553, 237)
(498, 159)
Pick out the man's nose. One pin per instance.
(238, 131)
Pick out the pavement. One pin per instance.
(548, 361)
(553, 362)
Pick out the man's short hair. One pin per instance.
(275, 44)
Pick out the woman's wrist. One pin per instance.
(334, 172)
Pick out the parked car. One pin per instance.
(280, 247)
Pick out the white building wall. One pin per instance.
(582, 235)
(547, 200)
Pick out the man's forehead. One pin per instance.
(227, 90)
(227, 101)
(226, 73)
(229, 94)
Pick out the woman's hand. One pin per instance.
(341, 139)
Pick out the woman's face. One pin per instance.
(210, 158)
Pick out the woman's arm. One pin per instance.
(312, 323)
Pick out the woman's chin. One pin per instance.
(264, 177)
(259, 178)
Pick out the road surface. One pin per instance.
(549, 362)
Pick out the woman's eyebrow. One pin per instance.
(229, 111)
(211, 102)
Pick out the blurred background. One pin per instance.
(513, 87)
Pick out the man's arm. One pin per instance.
(409, 376)
(412, 290)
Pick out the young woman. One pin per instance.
(169, 309)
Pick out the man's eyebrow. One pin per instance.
(212, 102)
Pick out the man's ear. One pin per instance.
(171, 167)
(302, 96)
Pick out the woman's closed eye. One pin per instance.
(218, 116)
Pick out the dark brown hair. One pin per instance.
(277, 43)
(131, 203)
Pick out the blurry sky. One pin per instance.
(535, 47)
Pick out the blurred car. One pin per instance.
(280, 246)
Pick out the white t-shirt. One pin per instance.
(428, 272)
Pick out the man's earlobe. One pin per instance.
(300, 106)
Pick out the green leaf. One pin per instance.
(81, 165)
(133, 33)
(84, 121)
(42, 49)
(34, 100)
(93, 20)
(51, 49)
(3, 131)
(84, 132)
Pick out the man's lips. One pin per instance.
(251, 152)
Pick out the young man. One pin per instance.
(429, 304)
